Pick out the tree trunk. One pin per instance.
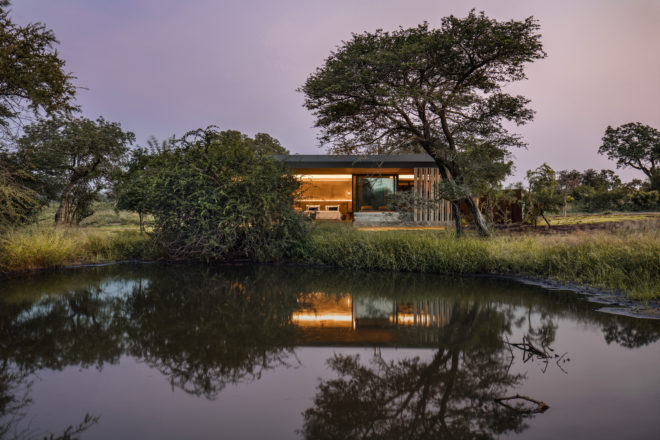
(546, 220)
(456, 213)
(141, 222)
(64, 202)
(479, 220)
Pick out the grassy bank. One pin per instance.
(627, 260)
(38, 247)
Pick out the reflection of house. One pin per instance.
(358, 187)
(341, 320)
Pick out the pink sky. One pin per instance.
(162, 67)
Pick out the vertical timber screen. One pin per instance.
(425, 186)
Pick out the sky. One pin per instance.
(163, 67)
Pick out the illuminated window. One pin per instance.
(372, 192)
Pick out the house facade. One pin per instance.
(359, 187)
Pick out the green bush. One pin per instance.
(216, 197)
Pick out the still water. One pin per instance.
(261, 352)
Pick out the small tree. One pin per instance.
(568, 181)
(68, 154)
(634, 145)
(543, 193)
(214, 197)
(131, 186)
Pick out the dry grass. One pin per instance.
(41, 247)
(626, 260)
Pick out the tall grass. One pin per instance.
(40, 247)
(626, 261)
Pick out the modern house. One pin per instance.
(358, 187)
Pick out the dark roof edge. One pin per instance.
(357, 161)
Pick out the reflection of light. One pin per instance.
(406, 176)
(325, 317)
(324, 176)
(404, 318)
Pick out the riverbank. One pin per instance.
(41, 247)
(627, 260)
(624, 260)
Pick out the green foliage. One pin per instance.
(634, 145)
(438, 90)
(266, 144)
(484, 166)
(215, 197)
(598, 191)
(33, 76)
(18, 203)
(131, 187)
(71, 160)
(543, 194)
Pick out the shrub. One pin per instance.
(215, 196)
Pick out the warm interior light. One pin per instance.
(324, 176)
(406, 176)
(323, 317)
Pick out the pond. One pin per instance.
(279, 352)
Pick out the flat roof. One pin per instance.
(357, 161)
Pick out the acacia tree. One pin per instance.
(634, 145)
(434, 89)
(33, 79)
(32, 82)
(68, 154)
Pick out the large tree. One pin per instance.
(634, 145)
(32, 76)
(434, 89)
(67, 156)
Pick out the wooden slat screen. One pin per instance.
(425, 186)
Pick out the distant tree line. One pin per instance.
(631, 145)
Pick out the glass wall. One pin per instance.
(371, 192)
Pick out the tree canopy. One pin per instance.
(69, 157)
(32, 75)
(634, 145)
(435, 89)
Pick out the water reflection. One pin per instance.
(452, 395)
(206, 328)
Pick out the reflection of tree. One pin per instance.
(451, 396)
(14, 396)
(631, 333)
(74, 328)
(207, 327)
(15, 387)
(204, 330)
